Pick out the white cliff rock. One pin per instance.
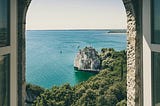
(87, 59)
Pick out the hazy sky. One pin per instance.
(76, 14)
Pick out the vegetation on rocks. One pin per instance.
(32, 91)
(107, 88)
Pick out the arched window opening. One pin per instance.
(56, 30)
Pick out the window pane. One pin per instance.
(156, 78)
(156, 21)
(4, 80)
(4, 23)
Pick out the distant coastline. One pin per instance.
(109, 30)
(117, 31)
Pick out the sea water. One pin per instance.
(50, 54)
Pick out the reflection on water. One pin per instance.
(82, 76)
(4, 23)
(4, 39)
(4, 80)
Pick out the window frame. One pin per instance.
(12, 51)
(148, 48)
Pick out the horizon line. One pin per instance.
(82, 29)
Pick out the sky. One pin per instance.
(76, 14)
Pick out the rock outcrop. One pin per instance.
(32, 92)
(87, 60)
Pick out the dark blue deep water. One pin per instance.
(50, 54)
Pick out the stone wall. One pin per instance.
(22, 10)
(134, 51)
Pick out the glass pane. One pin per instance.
(4, 80)
(156, 78)
(4, 23)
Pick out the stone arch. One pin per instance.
(134, 51)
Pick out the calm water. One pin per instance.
(50, 54)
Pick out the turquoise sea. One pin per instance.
(50, 53)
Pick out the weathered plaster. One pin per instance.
(134, 51)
